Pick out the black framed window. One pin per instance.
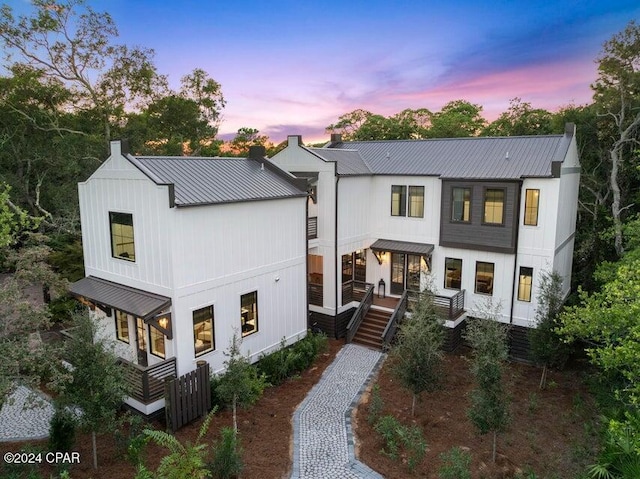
(122, 240)
(452, 273)
(122, 326)
(398, 200)
(484, 277)
(347, 267)
(360, 265)
(156, 342)
(531, 201)
(416, 201)
(461, 204)
(525, 284)
(249, 313)
(203, 333)
(494, 206)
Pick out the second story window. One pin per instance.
(494, 206)
(398, 200)
(416, 201)
(531, 200)
(461, 204)
(122, 241)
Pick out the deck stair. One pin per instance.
(370, 331)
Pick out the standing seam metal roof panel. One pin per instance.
(200, 181)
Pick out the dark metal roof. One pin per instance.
(475, 158)
(349, 162)
(394, 246)
(136, 302)
(200, 181)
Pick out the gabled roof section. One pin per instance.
(473, 158)
(204, 181)
(348, 161)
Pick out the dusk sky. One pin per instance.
(293, 67)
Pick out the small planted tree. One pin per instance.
(489, 402)
(417, 355)
(546, 346)
(96, 384)
(241, 385)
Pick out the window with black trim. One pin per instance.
(525, 283)
(484, 277)
(398, 200)
(122, 326)
(122, 241)
(156, 342)
(203, 335)
(452, 273)
(494, 206)
(416, 201)
(461, 204)
(249, 313)
(531, 201)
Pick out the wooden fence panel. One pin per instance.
(187, 397)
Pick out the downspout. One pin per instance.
(515, 257)
(306, 263)
(335, 246)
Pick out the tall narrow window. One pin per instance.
(524, 284)
(156, 341)
(494, 206)
(461, 204)
(398, 200)
(203, 335)
(416, 201)
(122, 326)
(122, 243)
(249, 313)
(484, 278)
(452, 273)
(413, 272)
(360, 265)
(347, 267)
(531, 200)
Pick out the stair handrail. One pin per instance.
(392, 325)
(359, 314)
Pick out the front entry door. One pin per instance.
(141, 342)
(397, 273)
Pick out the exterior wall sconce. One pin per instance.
(162, 322)
(379, 256)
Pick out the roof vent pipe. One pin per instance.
(262, 166)
(506, 157)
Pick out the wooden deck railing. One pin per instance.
(354, 291)
(360, 313)
(395, 319)
(451, 307)
(316, 292)
(146, 384)
(312, 227)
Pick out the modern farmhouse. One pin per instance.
(182, 253)
(483, 217)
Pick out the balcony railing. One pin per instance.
(451, 307)
(312, 227)
(353, 291)
(316, 294)
(146, 384)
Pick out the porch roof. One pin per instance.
(393, 246)
(136, 302)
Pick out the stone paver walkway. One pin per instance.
(25, 415)
(323, 439)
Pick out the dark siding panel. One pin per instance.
(519, 343)
(475, 235)
(453, 337)
(342, 322)
(330, 325)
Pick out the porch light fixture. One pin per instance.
(379, 256)
(162, 322)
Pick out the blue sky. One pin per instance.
(293, 67)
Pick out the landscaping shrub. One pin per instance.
(62, 430)
(456, 464)
(288, 361)
(376, 405)
(398, 436)
(227, 456)
(133, 441)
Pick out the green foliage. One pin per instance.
(620, 455)
(227, 456)
(290, 361)
(376, 405)
(184, 461)
(456, 464)
(417, 355)
(62, 430)
(403, 439)
(130, 437)
(458, 118)
(241, 384)
(489, 403)
(521, 119)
